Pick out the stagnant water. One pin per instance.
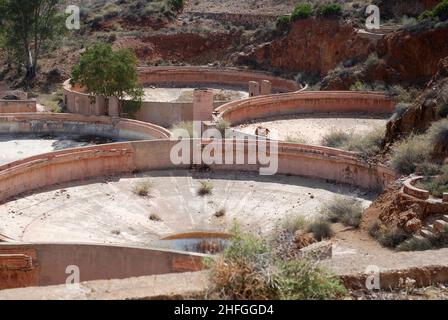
(210, 245)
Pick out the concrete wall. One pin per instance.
(305, 102)
(126, 157)
(15, 106)
(46, 264)
(81, 125)
(204, 75)
(165, 114)
(168, 113)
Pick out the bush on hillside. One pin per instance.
(410, 154)
(302, 11)
(333, 9)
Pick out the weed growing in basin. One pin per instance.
(186, 126)
(142, 188)
(336, 139)
(296, 139)
(205, 189)
(154, 217)
(220, 213)
(222, 126)
(343, 209)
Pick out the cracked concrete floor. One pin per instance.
(107, 211)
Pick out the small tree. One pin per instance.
(25, 27)
(103, 71)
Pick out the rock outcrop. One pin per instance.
(314, 46)
(426, 110)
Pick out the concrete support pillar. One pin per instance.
(254, 89)
(100, 106)
(266, 88)
(203, 105)
(114, 107)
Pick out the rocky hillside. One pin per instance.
(431, 106)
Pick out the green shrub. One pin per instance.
(438, 133)
(441, 10)
(294, 222)
(409, 154)
(321, 229)
(437, 186)
(176, 5)
(374, 229)
(425, 15)
(303, 280)
(367, 144)
(343, 209)
(372, 60)
(283, 22)
(302, 11)
(428, 168)
(415, 244)
(392, 237)
(336, 139)
(243, 272)
(359, 86)
(205, 189)
(249, 269)
(330, 9)
(403, 95)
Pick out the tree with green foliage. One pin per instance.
(25, 27)
(103, 71)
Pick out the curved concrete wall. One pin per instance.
(168, 113)
(26, 123)
(23, 265)
(262, 107)
(203, 75)
(118, 158)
